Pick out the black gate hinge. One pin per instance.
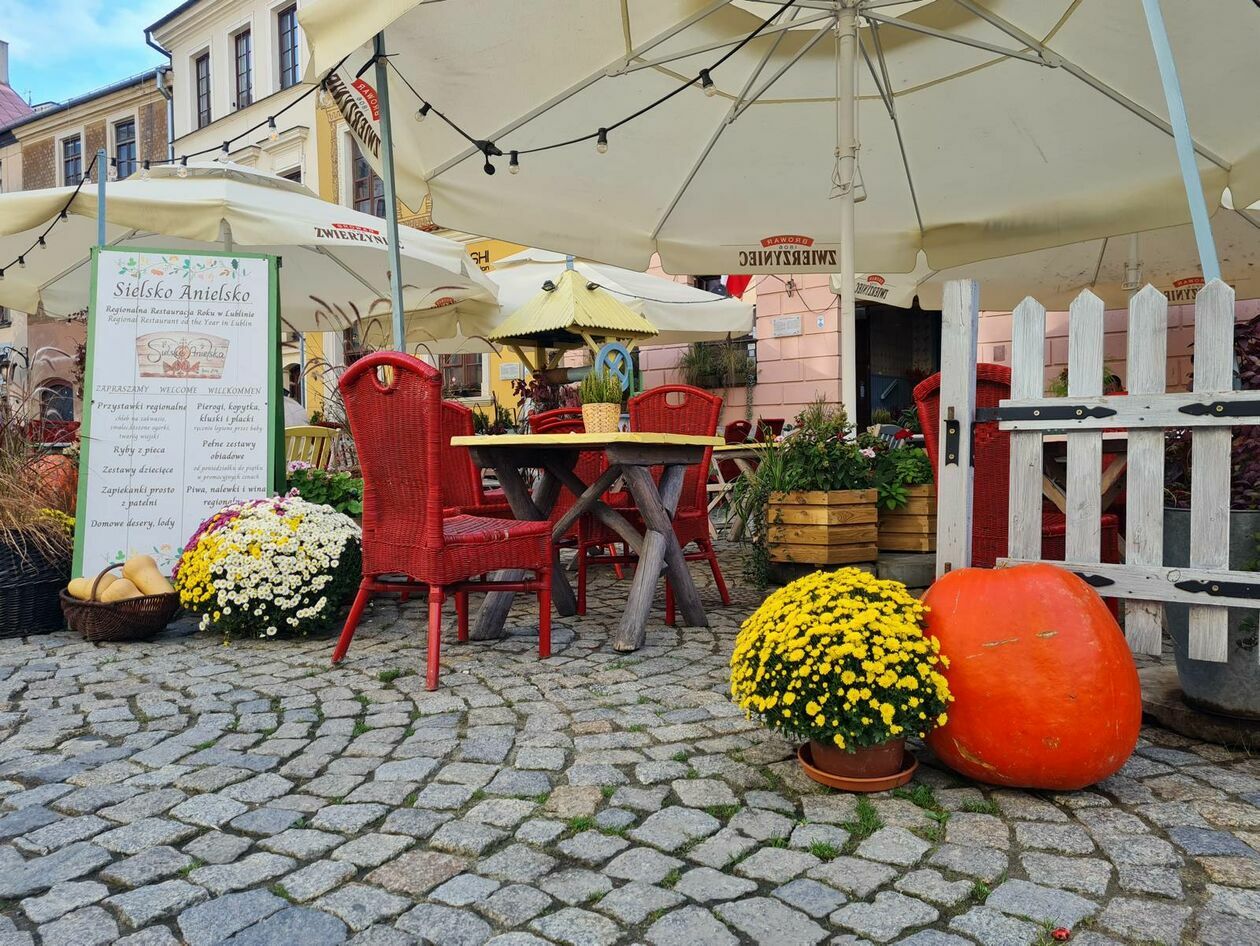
(1055, 412)
(1223, 409)
(1220, 589)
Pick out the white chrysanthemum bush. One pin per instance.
(270, 567)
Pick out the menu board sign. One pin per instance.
(181, 414)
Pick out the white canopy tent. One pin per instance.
(716, 133)
(334, 260)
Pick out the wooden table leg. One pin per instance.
(660, 544)
(736, 522)
(493, 612)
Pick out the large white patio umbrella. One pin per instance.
(963, 129)
(1113, 268)
(334, 260)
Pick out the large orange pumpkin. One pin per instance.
(1046, 693)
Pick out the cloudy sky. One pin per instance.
(62, 48)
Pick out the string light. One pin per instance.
(601, 141)
(1, 274)
(144, 171)
(21, 262)
(113, 169)
(514, 164)
(423, 111)
(183, 166)
(273, 133)
(706, 83)
(42, 243)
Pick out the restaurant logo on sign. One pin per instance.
(181, 355)
(787, 250)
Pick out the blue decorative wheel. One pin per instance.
(614, 358)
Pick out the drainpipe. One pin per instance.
(158, 73)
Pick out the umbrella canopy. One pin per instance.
(1112, 268)
(1025, 124)
(568, 311)
(677, 313)
(334, 259)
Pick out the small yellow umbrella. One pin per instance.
(569, 313)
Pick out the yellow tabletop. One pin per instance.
(585, 440)
(733, 447)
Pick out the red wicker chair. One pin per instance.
(769, 427)
(736, 431)
(466, 492)
(394, 405)
(694, 412)
(991, 455)
(559, 420)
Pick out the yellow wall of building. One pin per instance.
(486, 253)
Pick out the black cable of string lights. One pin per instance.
(40, 241)
(491, 149)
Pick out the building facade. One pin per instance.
(53, 146)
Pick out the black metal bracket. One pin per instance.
(1096, 581)
(1223, 409)
(953, 437)
(1220, 589)
(1055, 412)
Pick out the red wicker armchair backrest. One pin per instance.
(991, 455)
(461, 481)
(681, 409)
(394, 402)
(560, 420)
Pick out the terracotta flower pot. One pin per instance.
(870, 762)
(601, 418)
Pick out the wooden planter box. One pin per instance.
(833, 527)
(912, 528)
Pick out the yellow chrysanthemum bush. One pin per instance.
(841, 657)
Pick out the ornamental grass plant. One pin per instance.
(841, 658)
(268, 567)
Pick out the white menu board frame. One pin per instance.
(181, 398)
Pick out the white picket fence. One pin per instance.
(1210, 410)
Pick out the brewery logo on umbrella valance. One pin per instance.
(351, 233)
(786, 252)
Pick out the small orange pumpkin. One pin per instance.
(56, 477)
(1046, 692)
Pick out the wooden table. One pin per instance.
(630, 455)
(1054, 456)
(743, 455)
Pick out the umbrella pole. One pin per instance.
(846, 32)
(101, 161)
(391, 198)
(1185, 144)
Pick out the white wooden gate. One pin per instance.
(1211, 410)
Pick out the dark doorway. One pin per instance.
(895, 349)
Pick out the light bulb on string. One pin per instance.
(183, 167)
(423, 111)
(43, 244)
(113, 169)
(1, 274)
(514, 165)
(273, 133)
(706, 83)
(21, 262)
(601, 141)
(223, 153)
(144, 171)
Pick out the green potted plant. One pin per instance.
(907, 500)
(1232, 687)
(337, 489)
(600, 393)
(839, 661)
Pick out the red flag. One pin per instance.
(736, 284)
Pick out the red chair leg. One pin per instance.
(435, 637)
(581, 578)
(461, 614)
(711, 554)
(544, 617)
(352, 621)
(611, 548)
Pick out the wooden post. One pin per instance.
(1210, 464)
(1084, 447)
(960, 322)
(1144, 478)
(1028, 369)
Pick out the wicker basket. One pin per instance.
(601, 418)
(30, 576)
(132, 619)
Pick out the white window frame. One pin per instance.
(111, 126)
(273, 15)
(60, 139)
(244, 26)
(194, 123)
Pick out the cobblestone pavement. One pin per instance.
(184, 791)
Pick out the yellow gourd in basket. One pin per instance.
(81, 588)
(142, 571)
(120, 590)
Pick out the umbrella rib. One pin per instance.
(356, 276)
(578, 86)
(952, 38)
(69, 269)
(1056, 59)
(717, 133)
(778, 73)
(887, 93)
